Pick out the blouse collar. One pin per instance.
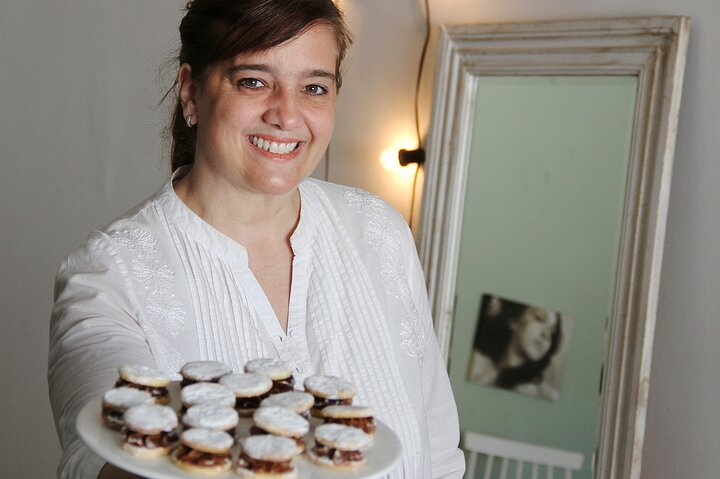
(186, 220)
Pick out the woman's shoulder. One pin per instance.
(355, 203)
(136, 229)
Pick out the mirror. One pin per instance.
(549, 162)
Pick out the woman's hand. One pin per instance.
(111, 472)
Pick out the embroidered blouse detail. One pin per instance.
(384, 236)
(165, 314)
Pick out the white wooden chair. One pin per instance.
(537, 458)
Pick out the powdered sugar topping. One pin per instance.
(331, 387)
(270, 367)
(211, 416)
(343, 411)
(144, 375)
(148, 418)
(126, 397)
(297, 401)
(269, 447)
(205, 370)
(342, 437)
(278, 420)
(246, 384)
(201, 393)
(208, 440)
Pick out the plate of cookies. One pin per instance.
(254, 424)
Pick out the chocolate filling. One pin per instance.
(200, 458)
(250, 402)
(187, 382)
(257, 465)
(157, 392)
(335, 455)
(282, 385)
(367, 424)
(149, 441)
(321, 403)
(113, 418)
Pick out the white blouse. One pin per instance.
(159, 286)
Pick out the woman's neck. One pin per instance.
(245, 216)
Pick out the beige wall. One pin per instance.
(79, 135)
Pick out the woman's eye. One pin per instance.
(316, 90)
(251, 83)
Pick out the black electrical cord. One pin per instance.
(420, 70)
(417, 101)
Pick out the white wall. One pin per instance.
(80, 144)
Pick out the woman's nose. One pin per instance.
(283, 111)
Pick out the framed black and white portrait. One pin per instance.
(519, 347)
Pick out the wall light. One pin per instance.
(389, 159)
(406, 157)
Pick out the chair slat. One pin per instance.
(519, 469)
(488, 467)
(472, 463)
(503, 468)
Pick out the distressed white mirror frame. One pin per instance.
(649, 48)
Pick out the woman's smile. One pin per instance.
(276, 147)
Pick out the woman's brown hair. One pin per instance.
(213, 31)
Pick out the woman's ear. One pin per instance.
(187, 91)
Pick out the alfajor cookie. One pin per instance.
(354, 416)
(279, 371)
(147, 379)
(212, 416)
(267, 457)
(281, 422)
(203, 393)
(118, 400)
(206, 451)
(339, 446)
(329, 391)
(150, 430)
(249, 389)
(296, 401)
(203, 371)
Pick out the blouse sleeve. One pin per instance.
(447, 459)
(92, 332)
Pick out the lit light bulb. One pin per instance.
(389, 161)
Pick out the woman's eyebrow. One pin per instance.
(248, 67)
(321, 74)
(314, 73)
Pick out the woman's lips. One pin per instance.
(274, 146)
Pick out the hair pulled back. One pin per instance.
(214, 31)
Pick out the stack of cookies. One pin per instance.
(201, 435)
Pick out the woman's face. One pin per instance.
(265, 119)
(532, 333)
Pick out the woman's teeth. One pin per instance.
(273, 146)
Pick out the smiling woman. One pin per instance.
(241, 256)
